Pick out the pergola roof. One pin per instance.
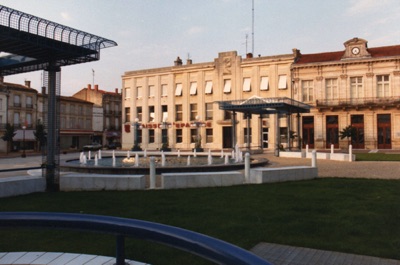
(258, 105)
(29, 43)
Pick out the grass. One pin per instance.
(377, 157)
(347, 215)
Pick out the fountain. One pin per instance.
(123, 162)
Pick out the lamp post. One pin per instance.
(164, 134)
(23, 141)
(198, 123)
(136, 126)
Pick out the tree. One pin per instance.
(347, 132)
(8, 136)
(40, 134)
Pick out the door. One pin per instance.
(384, 131)
(332, 131)
(227, 137)
(265, 138)
(357, 140)
(308, 131)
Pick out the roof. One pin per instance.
(377, 52)
(31, 43)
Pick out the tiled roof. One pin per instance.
(377, 52)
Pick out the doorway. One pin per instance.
(357, 140)
(308, 131)
(332, 131)
(384, 131)
(227, 137)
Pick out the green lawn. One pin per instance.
(348, 215)
(377, 157)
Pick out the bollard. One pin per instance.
(152, 172)
(128, 154)
(247, 167)
(314, 159)
(162, 159)
(226, 159)
(332, 146)
(99, 153)
(136, 160)
(188, 161)
(96, 161)
(350, 153)
(306, 148)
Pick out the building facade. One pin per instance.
(107, 113)
(357, 87)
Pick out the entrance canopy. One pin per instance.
(29, 43)
(258, 105)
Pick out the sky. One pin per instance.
(152, 33)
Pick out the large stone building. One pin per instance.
(358, 86)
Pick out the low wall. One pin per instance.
(320, 155)
(201, 179)
(96, 182)
(269, 175)
(14, 186)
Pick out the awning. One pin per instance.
(19, 135)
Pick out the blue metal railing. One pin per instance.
(207, 247)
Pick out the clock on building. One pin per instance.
(355, 50)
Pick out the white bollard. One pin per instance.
(84, 160)
(96, 160)
(306, 148)
(247, 167)
(226, 159)
(179, 153)
(222, 153)
(136, 160)
(332, 148)
(152, 172)
(89, 155)
(99, 152)
(314, 159)
(145, 153)
(188, 161)
(113, 161)
(163, 159)
(128, 154)
(194, 153)
(350, 153)
(209, 159)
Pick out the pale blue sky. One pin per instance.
(152, 33)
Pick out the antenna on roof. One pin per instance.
(252, 29)
(93, 78)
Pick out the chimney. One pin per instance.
(178, 61)
(89, 86)
(43, 90)
(28, 83)
(96, 87)
(249, 55)
(189, 61)
(116, 91)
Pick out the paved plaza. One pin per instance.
(275, 253)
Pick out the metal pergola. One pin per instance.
(29, 43)
(264, 106)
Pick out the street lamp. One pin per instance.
(23, 141)
(136, 125)
(198, 123)
(164, 134)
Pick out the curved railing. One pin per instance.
(207, 247)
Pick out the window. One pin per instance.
(63, 123)
(331, 88)
(151, 136)
(127, 93)
(28, 120)
(72, 109)
(88, 124)
(80, 123)
(193, 88)
(209, 87)
(139, 113)
(264, 83)
(107, 122)
(139, 92)
(16, 119)
(164, 110)
(307, 90)
(164, 90)
(179, 138)
(209, 135)
(151, 114)
(178, 90)
(29, 102)
(1, 105)
(127, 114)
(382, 86)
(116, 121)
(227, 86)
(227, 115)
(193, 111)
(116, 108)
(246, 84)
(152, 91)
(282, 82)
(245, 135)
(356, 88)
(178, 113)
(80, 110)
(17, 101)
(193, 135)
(209, 111)
(63, 108)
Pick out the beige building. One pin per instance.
(184, 98)
(358, 86)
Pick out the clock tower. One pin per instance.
(356, 48)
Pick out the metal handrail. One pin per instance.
(204, 246)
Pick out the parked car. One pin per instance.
(92, 147)
(115, 145)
